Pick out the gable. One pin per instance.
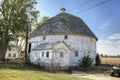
(62, 45)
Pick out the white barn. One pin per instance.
(62, 42)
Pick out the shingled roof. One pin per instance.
(44, 46)
(64, 24)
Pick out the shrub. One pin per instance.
(97, 60)
(15, 61)
(86, 61)
(68, 70)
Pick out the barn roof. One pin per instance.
(64, 24)
(44, 46)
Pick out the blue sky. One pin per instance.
(103, 20)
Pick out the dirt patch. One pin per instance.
(105, 76)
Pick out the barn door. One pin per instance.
(29, 48)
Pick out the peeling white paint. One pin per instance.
(84, 45)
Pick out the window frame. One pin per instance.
(61, 54)
(9, 55)
(14, 55)
(47, 54)
(44, 37)
(65, 36)
(42, 54)
(76, 53)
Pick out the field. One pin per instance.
(110, 61)
(20, 71)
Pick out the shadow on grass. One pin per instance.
(95, 69)
(23, 67)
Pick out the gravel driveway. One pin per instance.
(95, 76)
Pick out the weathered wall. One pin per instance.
(84, 45)
(54, 60)
(62, 62)
(37, 58)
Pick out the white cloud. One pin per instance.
(114, 36)
(105, 42)
(118, 42)
(108, 47)
(110, 22)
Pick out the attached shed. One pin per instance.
(51, 55)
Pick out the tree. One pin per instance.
(101, 55)
(97, 59)
(15, 17)
(41, 22)
(86, 61)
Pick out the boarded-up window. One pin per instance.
(61, 54)
(47, 54)
(76, 53)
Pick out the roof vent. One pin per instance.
(62, 10)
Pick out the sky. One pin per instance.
(103, 20)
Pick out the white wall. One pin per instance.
(84, 45)
(62, 61)
(12, 52)
(36, 56)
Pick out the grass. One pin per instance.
(15, 70)
(93, 69)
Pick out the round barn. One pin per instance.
(61, 42)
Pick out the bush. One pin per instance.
(16, 61)
(69, 70)
(97, 60)
(86, 61)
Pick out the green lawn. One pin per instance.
(20, 71)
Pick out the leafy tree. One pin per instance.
(41, 22)
(15, 16)
(97, 59)
(86, 61)
(106, 55)
(101, 55)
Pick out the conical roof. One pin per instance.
(64, 24)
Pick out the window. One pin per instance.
(91, 40)
(36, 54)
(9, 55)
(65, 37)
(44, 37)
(14, 55)
(42, 54)
(61, 54)
(88, 51)
(47, 54)
(9, 49)
(76, 53)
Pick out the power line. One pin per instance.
(94, 6)
(99, 4)
(81, 5)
